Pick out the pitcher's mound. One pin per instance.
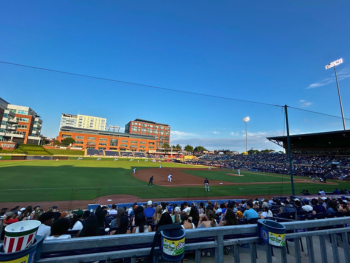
(234, 174)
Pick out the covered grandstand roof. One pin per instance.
(315, 141)
(107, 133)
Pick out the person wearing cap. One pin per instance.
(113, 211)
(46, 220)
(336, 191)
(321, 192)
(150, 182)
(149, 211)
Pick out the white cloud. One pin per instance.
(179, 135)
(342, 74)
(234, 133)
(304, 103)
(215, 132)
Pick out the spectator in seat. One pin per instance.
(101, 218)
(121, 213)
(46, 220)
(165, 219)
(149, 211)
(332, 207)
(3, 212)
(11, 217)
(59, 229)
(201, 208)
(75, 223)
(113, 211)
(157, 215)
(343, 208)
(176, 217)
(141, 224)
(298, 206)
(194, 215)
(318, 207)
(187, 209)
(122, 227)
(321, 192)
(185, 224)
(266, 213)
(27, 213)
(90, 227)
(207, 220)
(229, 218)
(250, 213)
(307, 207)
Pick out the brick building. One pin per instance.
(161, 132)
(19, 124)
(105, 140)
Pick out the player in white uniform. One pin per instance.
(209, 168)
(134, 170)
(169, 178)
(239, 172)
(160, 166)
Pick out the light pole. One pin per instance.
(331, 65)
(246, 119)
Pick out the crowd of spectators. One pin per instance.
(145, 218)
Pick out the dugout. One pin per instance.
(327, 143)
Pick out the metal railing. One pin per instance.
(217, 239)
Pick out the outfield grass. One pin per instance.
(88, 179)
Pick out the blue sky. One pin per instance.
(272, 52)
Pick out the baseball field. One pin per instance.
(89, 180)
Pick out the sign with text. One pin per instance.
(334, 63)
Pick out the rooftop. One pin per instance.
(152, 122)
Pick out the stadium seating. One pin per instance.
(93, 152)
(126, 154)
(112, 153)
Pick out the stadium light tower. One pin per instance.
(331, 65)
(246, 119)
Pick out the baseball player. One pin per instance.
(150, 181)
(160, 166)
(209, 168)
(134, 170)
(169, 178)
(239, 172)
(206, 184)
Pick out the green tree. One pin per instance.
(251, 151)
(165, 145)
(56, 142)
(68, 141)
(188, 148)
(199, 149)
(178, 147)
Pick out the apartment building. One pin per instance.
(160, 131)
(83, 121)
(19, 124)
(105, 140)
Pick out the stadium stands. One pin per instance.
(112, 153)
(92, 152)
(140, 154)
(126, 154)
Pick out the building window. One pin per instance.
(167, 128)
(124, 141)
(142, 142)
(166, 132)
(144, 125)
(102, 148)
(90, 147)
(166, 138)
(113, 142)
(134, 123)
(155, 131)
(161, 138)
(123, 145)
(79, 137)
(102, 139)
(149, 130)
(144, 130)
(160, 143)
(78, 142)
(151, 147)
(150, 125)
(161, 127)
(133, 142)
(23, 119)
(90, 143)
(134, 128)
(102, 144)
(133, 146)
(142, 147)
(91, 138)
(139, 130)
(151, 143)
(155, 126)
(66, 136)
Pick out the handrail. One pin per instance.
(219, 242)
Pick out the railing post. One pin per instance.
(323, 249)
(346, 246)
(253, 253)
(297, 250)
(268, 254)
(236, 254)
(219, 250)
(198, 255)
(335, 248)
(310, 249)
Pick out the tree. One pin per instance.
(267, 151)
(165, 145)
(178, 147)
(251, 151)
(188, 148)
(199, 149)
(68, 141)
(56, 142)
(173, 146)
